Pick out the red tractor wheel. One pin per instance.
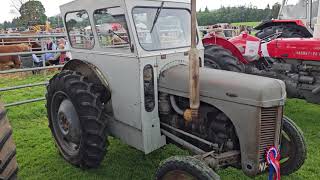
(217, 57)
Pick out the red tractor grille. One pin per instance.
(268, 130)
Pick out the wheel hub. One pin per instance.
(287, 150)
(64, 123)
(68, 121)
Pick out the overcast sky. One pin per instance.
(52, 6)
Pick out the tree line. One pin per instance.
(32, 13)
(237, 14)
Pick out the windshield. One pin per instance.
(172, 28)
(293, 2)
(111, 27)
(294, 9)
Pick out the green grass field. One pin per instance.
(38, 158)
(252, 24)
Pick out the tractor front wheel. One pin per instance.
(76, 118)
(182, 168)
(293, 147)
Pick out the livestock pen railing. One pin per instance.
(40, 39)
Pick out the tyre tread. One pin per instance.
(300, 144)
(189, 164)
(223, 58)
(90, 110)
(8, 163)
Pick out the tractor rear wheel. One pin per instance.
(217, 57)
(182, 168)
(288, 31)
(77, 118)
(8, 162)
(293, 147)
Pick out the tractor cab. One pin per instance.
(130, 43)
(304, 10)
(296, 19)
(129, 28)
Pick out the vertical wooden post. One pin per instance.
(43, 48)
(194, 65)
(316, 32)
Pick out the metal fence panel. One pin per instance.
(36, 38)
(23, 86)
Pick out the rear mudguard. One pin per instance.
(212, 39)
(240, 96)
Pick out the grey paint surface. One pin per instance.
(217, 84)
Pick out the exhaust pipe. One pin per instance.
(194, 84)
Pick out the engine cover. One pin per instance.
(228, 86)
(247, 100)
(295, 48)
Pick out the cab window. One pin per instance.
(164, 28)
(79, 30)
(111, 27)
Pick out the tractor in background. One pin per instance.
(296, 19)
(296, 61)
(41, 28)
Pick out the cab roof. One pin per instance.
(84, 4)
(78, 1)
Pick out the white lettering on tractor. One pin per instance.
(308, 53)
(263, 166)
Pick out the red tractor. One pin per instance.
(296, 61)
(296, 18)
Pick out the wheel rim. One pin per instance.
(287, 148)
(178, 175)
(66, 124)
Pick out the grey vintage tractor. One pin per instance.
(129, 79)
